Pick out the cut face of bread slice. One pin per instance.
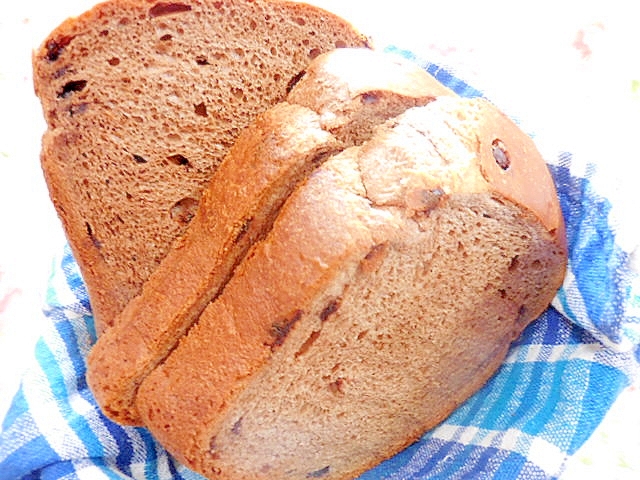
(387, 291)
(270, 158)
(143, 101)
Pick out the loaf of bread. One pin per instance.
(335, 105)
(357, 268)
(143, 100)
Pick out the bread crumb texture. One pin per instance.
(142, 101)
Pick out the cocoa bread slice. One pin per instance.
(143, 100)
(360, 88)
(387, 292)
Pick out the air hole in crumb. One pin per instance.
(329, 310)
(340, 44)
(280, 330)
(202, 60)
(237, 92)
(166, 37)
(184, 210)
(162, 8)
(522, 312)
(213, 446)
(178, 159)
(60, 72)
(515, 262)
(114, 61)
(78, 109)
(337, 386)
(201, 109)
(307, 343)
(500, 154)
(139, 158)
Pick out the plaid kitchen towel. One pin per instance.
(557, 383)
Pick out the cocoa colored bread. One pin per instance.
(361, 88)
(382, 290)
(143, 100)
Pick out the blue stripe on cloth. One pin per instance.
(447, 460)
(596, 402)
(64, 392)
(600, 267)
(58, 470)
(115, 451)
(75, 282)
(552, 388)
(18, 407)
(23, 436)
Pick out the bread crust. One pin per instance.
(143, 100)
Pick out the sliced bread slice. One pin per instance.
(386, 293)
(270, 158)
(143, 100)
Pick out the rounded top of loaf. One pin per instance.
(487, 152)
(512, 165)
(334, 78)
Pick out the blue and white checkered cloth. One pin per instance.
(557, 383)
